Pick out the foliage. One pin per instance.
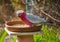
(3, 35)
(17, 5)
(51, 34)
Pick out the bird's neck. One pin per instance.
(23, 15)
(24, 19)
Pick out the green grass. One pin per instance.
(51, 34)
(3, 35)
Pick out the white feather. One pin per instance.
(19, 11)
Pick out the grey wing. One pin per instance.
(34, 19)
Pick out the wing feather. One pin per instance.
(34, 19)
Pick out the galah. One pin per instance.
(29, 18)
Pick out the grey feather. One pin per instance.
(34, 18)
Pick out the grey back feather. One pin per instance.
(34, 18)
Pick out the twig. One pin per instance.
(50, 16)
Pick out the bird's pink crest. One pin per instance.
(19, 12)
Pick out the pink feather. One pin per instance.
(24, 19)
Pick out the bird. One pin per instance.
(29, 18)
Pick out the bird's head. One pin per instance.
(19, 12)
